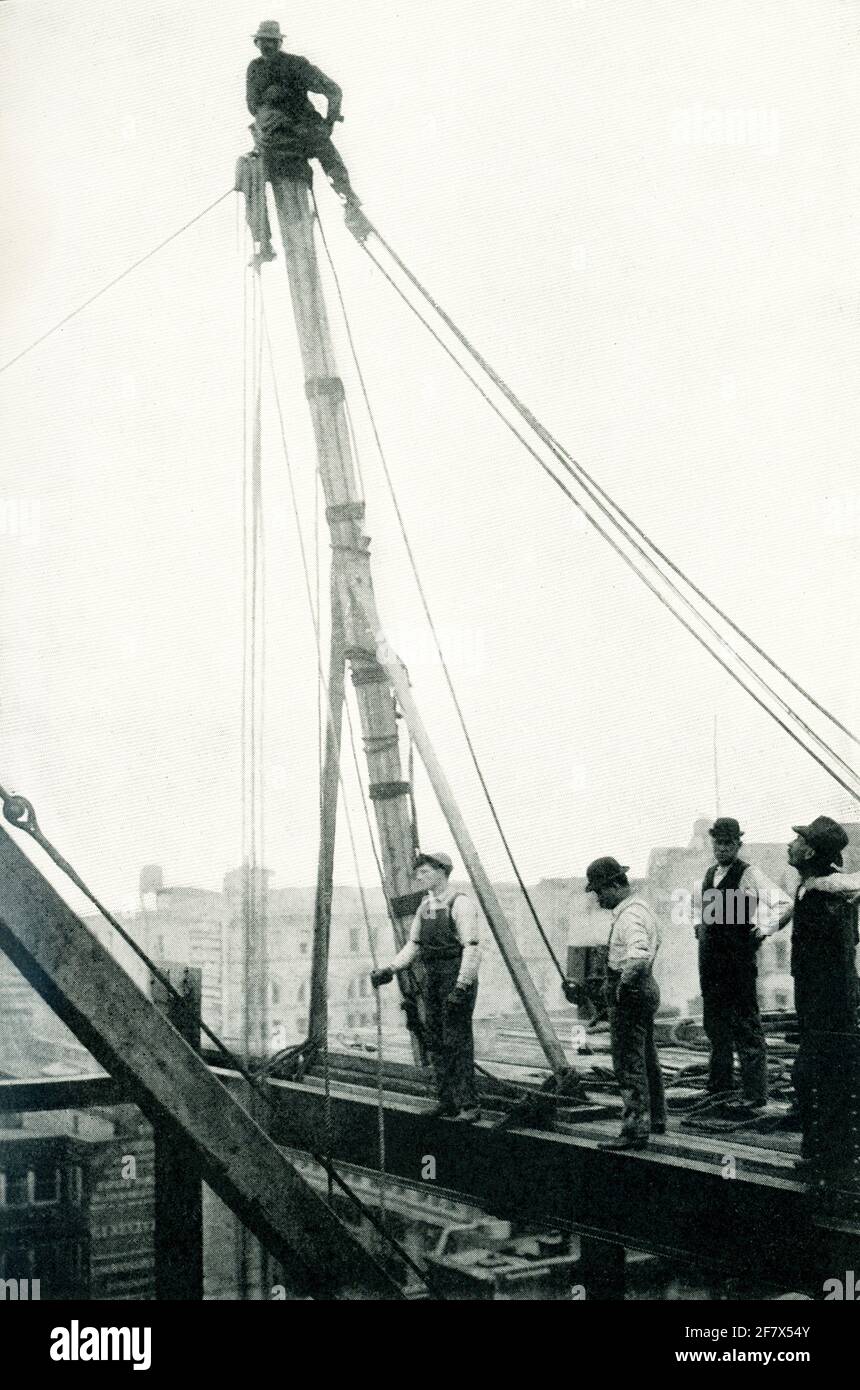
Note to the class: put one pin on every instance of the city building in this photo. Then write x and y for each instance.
(76, 1203)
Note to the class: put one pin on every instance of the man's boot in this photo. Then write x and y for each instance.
(442, 1110)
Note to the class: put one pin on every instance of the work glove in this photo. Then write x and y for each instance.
(383, 976)
(571, 991)
(458, 996)
(631, 986)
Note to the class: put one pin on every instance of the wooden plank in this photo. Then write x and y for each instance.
(127, 1035)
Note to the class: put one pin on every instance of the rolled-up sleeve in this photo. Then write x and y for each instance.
(847, 884)
(465, 916)
(406, 955)
(771, 901)
(638, 939)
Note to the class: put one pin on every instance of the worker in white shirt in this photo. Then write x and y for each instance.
(444, 937)
(633, 998)
(737, 907)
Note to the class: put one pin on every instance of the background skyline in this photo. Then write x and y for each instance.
(682, 313)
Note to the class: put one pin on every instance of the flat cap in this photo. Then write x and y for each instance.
(438, 858)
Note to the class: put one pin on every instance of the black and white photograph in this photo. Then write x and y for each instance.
(430, 694)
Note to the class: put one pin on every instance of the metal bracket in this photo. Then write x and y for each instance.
(345, 511)
(370, 674)
(387, 791)
(332, 386)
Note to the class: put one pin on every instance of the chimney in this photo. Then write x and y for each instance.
(151, 879)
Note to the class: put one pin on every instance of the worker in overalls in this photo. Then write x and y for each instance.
(736, 907)
(823, 963)
(289, 129)
(444, 936)
(632, 997)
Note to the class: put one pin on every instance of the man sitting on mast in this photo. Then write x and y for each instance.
(289, 129)
(444, 936)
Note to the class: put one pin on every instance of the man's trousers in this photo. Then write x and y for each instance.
(634, 1054)
(449, 1035)
(732, 1020)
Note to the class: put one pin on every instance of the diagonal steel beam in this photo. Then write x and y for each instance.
(80, 980)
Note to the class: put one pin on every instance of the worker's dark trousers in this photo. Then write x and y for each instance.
(826, 1075)
(452, 1048)
(321, 148)
(287, 142)
(634, 1055)
(731, 1015)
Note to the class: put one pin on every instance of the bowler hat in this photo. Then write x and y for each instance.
(439, 860)
(825, 836)
(602, 872)
(725, 828)
(269, 29)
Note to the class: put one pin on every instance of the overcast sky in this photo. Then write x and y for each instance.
(673, 289)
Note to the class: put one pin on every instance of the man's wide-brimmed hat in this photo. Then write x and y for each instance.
(826, 837)
(269, 29)
(602, 872)
(725, 828)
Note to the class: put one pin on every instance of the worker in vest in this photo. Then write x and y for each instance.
(444, 937)
(736, 908)
(289, 128)
(632, 997)
(823, 963)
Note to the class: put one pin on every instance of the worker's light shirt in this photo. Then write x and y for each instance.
(767, 900)
(464, 915)
(840, 882)
(634, 934)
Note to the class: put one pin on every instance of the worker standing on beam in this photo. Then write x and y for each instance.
(632, 997)
(823, 963)
(735, 908)
(444, 936)
(289, 129)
